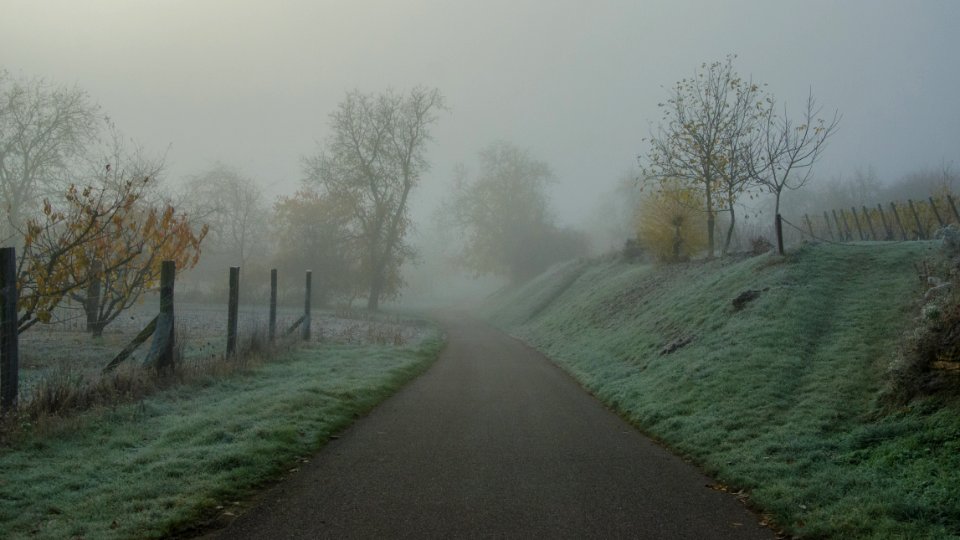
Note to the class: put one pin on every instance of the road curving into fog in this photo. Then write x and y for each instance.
(494, 441)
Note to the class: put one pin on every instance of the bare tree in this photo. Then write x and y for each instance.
(740, 148)
(233, 207)
(42, 128)
(371, 164)
(788, 150)
(703, 135)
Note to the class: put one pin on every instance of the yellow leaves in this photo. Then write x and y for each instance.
(99, 231)
(671, 222)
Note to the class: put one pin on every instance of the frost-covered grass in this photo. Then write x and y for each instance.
(782, 399)
(187, 454)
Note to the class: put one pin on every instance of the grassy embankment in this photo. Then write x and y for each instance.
(782, 399)
(187, 454)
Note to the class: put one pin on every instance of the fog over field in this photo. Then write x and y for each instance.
(576, 84)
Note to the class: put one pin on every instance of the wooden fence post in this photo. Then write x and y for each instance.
(896, 215)
(826, 219)
(887, 229)
(273, 305)
(936, 213)
(9, 344)
(916, 218)
(232, 304)
(305, 328)
(161, 349)
(92, 302)
(840, 231)
(866, 216)
(857, 221)
(809, 226)
(846, 226)
(954, 208)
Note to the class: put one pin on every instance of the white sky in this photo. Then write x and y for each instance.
(251, 82)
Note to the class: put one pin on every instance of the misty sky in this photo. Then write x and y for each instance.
(251, 83)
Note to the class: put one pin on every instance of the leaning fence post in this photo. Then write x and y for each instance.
(896, 215)
(916, 217)
(866, 216)
(826, 220)
(809, 226)
(936, 213)
(857, 221)
(273, 305)
(840, 231)
(953, 207)
(887, 229)
(846, 226)
(305, 328)
(232, 304)
(9, 344)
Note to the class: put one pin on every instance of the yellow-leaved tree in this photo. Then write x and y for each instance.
(103, 240)
(671, 222)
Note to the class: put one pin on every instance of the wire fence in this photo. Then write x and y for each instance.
(200, 334)
(898, 222)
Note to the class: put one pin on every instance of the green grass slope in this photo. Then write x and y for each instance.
(779, 399)
(186, 455)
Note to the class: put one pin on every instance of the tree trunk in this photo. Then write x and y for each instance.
(778, 225)
(733, 223)
(710, 220)
(91, 304)
(376, 289)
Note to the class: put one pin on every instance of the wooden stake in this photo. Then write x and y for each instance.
(9, 340)
(233, 304)
(840, 231)
(916, 218)
(866, 217)
(936, 213)
(954, 208)
(273, 305)
(305, 329)
(826, 219)
(896, 215)
(857, 221)
(887, 230)
(160, 355)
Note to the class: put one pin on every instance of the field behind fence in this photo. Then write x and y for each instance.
(196, 334)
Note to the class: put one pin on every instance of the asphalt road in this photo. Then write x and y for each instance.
(494, 441)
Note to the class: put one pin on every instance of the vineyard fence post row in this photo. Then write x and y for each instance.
(836, 227)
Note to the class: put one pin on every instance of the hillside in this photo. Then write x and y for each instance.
(781, 399)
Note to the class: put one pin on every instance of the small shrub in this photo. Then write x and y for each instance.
(671, 223)
(930, 352)
(633, 250)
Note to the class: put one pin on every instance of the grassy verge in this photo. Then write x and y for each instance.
(152, 468)
(782, 399)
